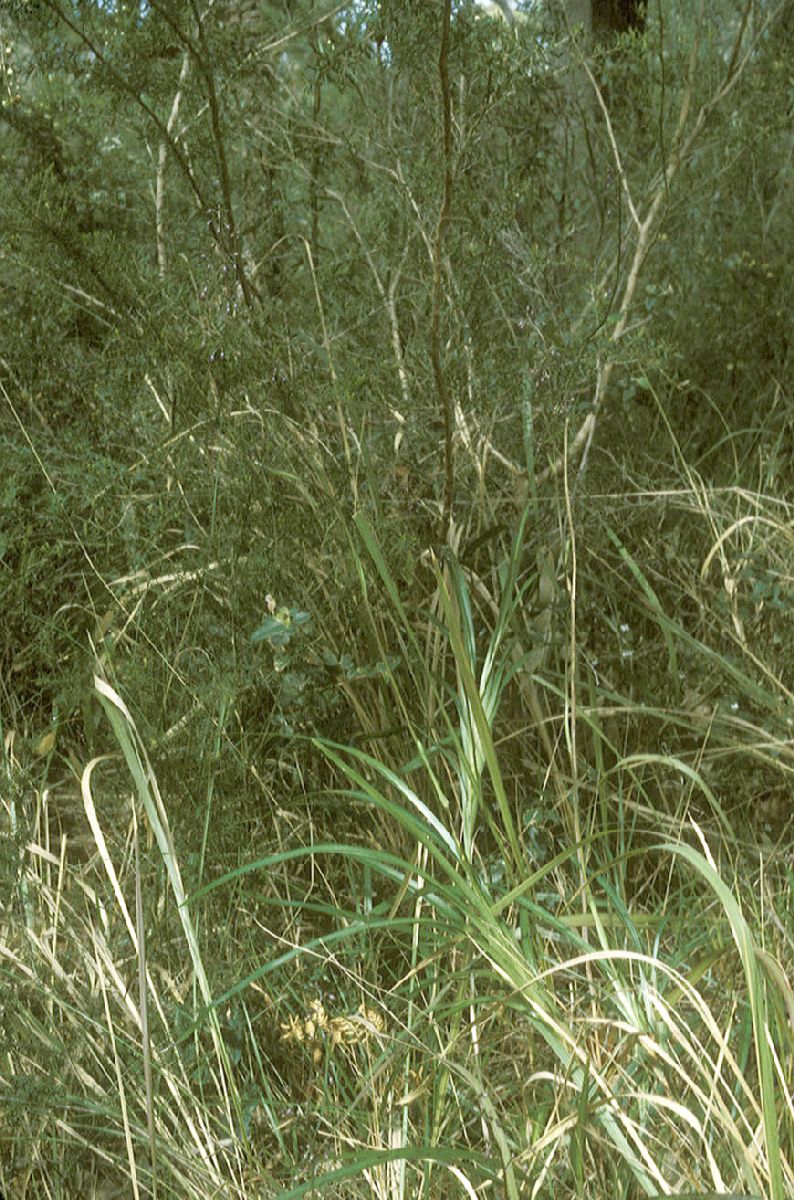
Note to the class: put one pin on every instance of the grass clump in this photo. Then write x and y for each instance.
(450, 996)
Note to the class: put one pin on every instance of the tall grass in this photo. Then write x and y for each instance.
(450, 1000)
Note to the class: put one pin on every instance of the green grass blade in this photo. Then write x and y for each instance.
(748, 954)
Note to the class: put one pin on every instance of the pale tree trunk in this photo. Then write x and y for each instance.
(606, 18)
(580, 14)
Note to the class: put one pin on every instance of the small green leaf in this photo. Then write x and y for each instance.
(272, 630)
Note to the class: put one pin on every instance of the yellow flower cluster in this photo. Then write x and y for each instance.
(318, 1028)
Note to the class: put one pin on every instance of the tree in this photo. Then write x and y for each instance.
(610, 17)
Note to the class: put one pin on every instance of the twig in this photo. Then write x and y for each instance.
(162, 159)
(248, 289)
(387, 295)
(613, 143)
(438, 246)
(680, 150)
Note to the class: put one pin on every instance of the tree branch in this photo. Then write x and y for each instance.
(438, 246)
(646, 227)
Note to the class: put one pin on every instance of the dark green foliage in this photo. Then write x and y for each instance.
(158, 380)
(184, 393)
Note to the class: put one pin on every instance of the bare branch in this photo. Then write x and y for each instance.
(613, 143)
(646, 226)
(438, 248)
(387, 295)
(162, 159)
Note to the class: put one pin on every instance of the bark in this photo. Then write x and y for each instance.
(607, 18)
(612, 17)
(579, 14)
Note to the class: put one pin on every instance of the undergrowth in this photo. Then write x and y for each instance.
(528, 929)
(395, 568)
